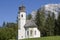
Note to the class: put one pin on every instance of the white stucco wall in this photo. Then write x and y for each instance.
(37, 32)
(33, 34)
(21, 34)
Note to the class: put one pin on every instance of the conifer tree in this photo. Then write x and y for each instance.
(58, 24)
(40, 17)
(3, 24)
(49, 25)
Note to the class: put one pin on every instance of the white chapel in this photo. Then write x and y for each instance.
(26, 28)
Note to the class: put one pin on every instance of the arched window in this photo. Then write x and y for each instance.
(22, 15)
(35, 32)
(27, 32)
(31, 32)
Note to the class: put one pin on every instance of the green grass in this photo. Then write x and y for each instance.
(45, 38)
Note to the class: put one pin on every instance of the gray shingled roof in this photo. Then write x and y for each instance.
(30, 23)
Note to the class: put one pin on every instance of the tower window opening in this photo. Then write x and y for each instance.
(21, 15)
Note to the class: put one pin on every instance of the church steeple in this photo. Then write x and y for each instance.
(21, 22)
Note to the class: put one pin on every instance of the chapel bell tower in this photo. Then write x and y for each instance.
(22, 16)
(21, 22)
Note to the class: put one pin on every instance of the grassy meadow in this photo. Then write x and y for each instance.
(45, 38)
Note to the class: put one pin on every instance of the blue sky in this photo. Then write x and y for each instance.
(9, 8)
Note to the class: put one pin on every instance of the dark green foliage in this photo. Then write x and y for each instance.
(38, 18)
(57, 25)
(40, 21)
(9, 32)
(50, 25)
(56, 28)
(46, 25)
(3, 24)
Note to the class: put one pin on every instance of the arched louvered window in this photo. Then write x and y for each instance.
(22, 15)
